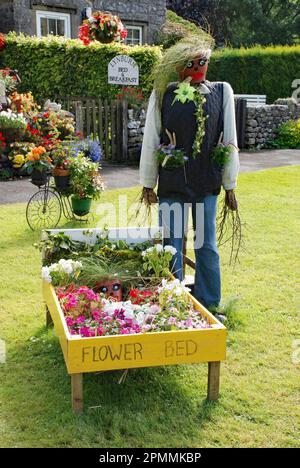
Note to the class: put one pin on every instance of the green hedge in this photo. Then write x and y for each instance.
(258, 70)
(55, 66)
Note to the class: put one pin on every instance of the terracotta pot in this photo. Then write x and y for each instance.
(57, 171)
(62, 179)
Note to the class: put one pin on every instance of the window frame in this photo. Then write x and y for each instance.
(56, 15)
(136, 27)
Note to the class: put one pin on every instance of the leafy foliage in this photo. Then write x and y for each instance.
(245, 23)
(56, 66)
(288, 136)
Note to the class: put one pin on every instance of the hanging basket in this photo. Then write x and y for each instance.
(39, 178)
(62, 179)
(81, 206)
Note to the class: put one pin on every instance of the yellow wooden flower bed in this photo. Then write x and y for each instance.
(83, 355)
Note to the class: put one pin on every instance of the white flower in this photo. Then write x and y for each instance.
(140, 318)
(171, 249)
(179, 291)
(129, 314)
(159, 248)
(46, 274)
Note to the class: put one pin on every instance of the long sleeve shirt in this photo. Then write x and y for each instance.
(152, 134)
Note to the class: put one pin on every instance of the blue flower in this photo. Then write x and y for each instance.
(90, 148)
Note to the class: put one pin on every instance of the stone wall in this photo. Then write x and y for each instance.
(6, 16)
(136, 127)
(262, 121)
(150, 13)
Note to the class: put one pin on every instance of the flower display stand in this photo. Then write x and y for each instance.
(106, 353)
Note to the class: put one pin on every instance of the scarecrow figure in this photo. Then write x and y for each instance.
(190, 149)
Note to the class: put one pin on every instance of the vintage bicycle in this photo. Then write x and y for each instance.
(45, 208)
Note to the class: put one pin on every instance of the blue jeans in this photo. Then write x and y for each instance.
(175, 222)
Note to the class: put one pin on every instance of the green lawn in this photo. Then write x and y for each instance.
(164, 407)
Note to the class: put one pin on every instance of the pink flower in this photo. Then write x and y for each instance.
(80, 319)
(70, 321)
(172, 321)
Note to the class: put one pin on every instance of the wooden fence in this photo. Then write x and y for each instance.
(103, 120)
(108, 121)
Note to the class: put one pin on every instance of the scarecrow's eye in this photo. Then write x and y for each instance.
(116, 287)
(189, 65)
(202, 62)
(104, 289)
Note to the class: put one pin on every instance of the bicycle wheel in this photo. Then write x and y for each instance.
(43, 210)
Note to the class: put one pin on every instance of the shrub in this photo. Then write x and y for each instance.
(257, 70)
(288, 136)
(55, 66)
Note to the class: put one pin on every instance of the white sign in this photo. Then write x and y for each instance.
(123, 70)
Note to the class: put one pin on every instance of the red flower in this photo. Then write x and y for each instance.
(124, 34)
(46, 115)
(2, 42)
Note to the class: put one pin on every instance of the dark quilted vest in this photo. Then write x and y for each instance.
(200, 176)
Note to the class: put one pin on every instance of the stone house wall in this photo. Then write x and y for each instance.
(20, 15)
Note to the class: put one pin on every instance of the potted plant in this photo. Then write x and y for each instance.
(38, 164)
(102, 27)
(85, 184)
(12, 126)
(61, 172)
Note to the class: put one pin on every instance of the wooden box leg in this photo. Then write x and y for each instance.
(213, 385)
(49, 321)
(77, 393)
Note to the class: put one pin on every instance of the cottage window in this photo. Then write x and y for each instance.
(50, 22)
(135, 35)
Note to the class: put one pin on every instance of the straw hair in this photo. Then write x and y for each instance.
(176, 58)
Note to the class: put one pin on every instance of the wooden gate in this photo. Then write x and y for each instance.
(103, 120)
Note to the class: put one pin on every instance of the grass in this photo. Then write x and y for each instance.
(165, 407)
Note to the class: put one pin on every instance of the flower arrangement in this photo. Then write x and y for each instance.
(37, 159)
(12, 125)
(89, 314)
(102, 27)
(85, 181)
(9, 118)
(61, 156)
(157, 259)
(62, 273)
(169, 156)
(90, 148)
(24, 103)
(10, 81)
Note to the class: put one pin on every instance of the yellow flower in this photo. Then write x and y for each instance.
(18, 161)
